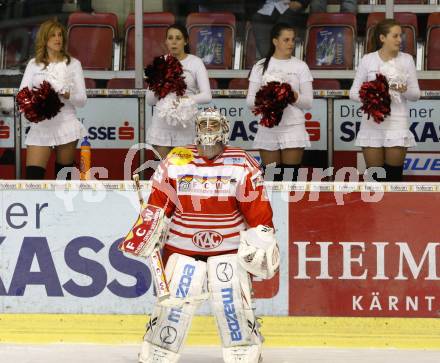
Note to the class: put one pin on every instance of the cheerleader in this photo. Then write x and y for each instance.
(161, 135)
(283, 144)
(384, 144)
(62, 131)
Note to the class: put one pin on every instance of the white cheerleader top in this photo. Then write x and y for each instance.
(294, 72)
(35, 74)
(196, 79)
(369, 66)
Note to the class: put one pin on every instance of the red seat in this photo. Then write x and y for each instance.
(91, 38)
(212, 38)
(124, 83)
(429, 84)
(90, 83)
(326, 84)
(17, 45)
(213, 83)
(155, 29)
(408, 21)
(250, 47)
(432, 44)
(239, 83)
(330, 41)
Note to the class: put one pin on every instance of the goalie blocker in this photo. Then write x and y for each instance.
(145, 240)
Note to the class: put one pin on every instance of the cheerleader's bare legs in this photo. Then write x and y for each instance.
(288, 160)
(390, 158)
(65, 157)
(38, 156)
(162, 150)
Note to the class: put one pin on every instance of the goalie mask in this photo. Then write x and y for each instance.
(211, 128)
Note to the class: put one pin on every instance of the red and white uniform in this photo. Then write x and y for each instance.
(210, 201)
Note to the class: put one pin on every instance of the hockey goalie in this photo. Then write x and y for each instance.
(220, 232)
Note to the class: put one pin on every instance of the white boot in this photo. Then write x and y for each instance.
(151, 353)
(243, 354)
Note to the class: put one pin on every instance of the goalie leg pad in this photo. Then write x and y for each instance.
(169, 326)
(231, 302)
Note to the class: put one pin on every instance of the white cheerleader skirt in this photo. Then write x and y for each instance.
(281, 137)
(162, 134)
(372, 134)
(56, 131)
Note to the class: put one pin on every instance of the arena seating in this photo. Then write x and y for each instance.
(91, 38)
(326, 84)
(330, 41)
(432, 44)
(90, 83)
(250, 47)
(212, 37)
(155, 26)
(429, 84)
(239, 83)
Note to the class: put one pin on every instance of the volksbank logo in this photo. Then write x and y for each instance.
(230, 314)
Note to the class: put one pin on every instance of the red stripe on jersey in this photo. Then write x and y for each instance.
(172, 249)
(213, 226)
(212, 220)
(235, 213)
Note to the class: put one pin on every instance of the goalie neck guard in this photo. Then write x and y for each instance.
(211, 128)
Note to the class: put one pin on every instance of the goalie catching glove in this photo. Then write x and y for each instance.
(148, 231)
(258, 252)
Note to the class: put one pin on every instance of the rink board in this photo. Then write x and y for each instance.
(359, 266)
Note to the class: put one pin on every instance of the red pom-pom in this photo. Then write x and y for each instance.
(40, 103)
(270, 102)
(375, 97)
(164, 76)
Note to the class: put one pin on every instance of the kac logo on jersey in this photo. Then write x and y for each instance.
(207, 239)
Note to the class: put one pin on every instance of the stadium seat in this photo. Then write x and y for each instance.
(432, 44)
(124, 83)
(330, 41)
(239, 83)
(213, 83)
(16, 43)
(90, 83)
(250, 47)
(409, 31)
(155, 28)
(429, 84)
(326, 84)
(91, 38)
(212, 38)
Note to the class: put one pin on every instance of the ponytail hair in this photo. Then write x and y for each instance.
(274, 34)
(382, 28)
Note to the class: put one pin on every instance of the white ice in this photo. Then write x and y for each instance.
(90, 353)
